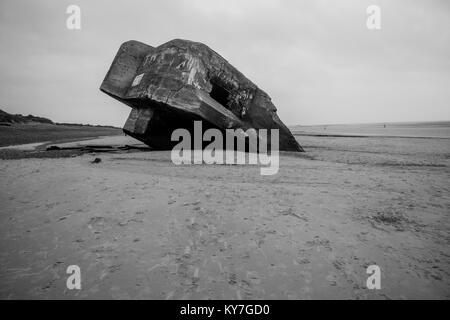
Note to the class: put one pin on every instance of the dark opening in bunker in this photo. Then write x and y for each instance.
(219, 94)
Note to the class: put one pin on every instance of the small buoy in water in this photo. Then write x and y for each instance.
(96, 160)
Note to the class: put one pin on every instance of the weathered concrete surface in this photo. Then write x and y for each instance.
(172, 85)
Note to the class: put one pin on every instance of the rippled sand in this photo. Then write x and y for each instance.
(140, 227)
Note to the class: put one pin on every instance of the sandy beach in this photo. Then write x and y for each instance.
(141, 227)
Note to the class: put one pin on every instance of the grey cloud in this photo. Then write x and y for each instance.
(315, 58)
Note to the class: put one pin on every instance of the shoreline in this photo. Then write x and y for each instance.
(299, 133)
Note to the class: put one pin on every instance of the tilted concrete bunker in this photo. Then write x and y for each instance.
(171, 86)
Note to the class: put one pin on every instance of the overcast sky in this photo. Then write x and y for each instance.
(316, 59)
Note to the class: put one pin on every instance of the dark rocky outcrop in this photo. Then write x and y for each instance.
(171, 86)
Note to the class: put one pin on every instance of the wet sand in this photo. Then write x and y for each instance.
(33, 132)
(140, 227)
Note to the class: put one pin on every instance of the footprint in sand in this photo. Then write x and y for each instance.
(253, 277)
(332, 279)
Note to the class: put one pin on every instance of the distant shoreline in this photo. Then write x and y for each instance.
(296, 133)
(19, 134)
(401, 123)
(423, 130)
